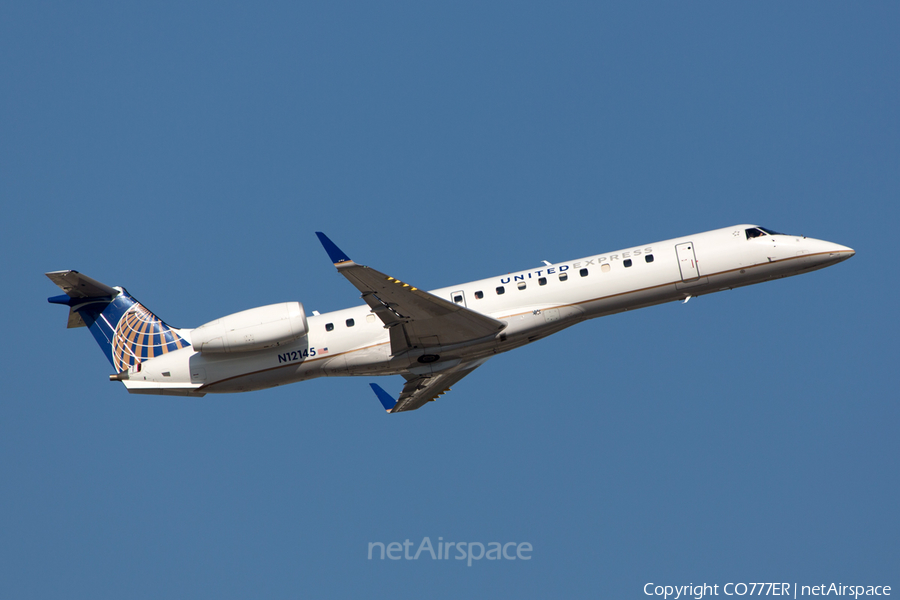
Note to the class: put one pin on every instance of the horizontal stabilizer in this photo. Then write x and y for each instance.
(77, 285)
(78, 288)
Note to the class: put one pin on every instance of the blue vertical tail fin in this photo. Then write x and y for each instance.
(126, 331)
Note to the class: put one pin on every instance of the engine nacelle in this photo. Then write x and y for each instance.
(254, 329)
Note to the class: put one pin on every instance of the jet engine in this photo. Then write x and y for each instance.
(254, 329)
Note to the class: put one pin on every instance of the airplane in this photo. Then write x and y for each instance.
(433, 339)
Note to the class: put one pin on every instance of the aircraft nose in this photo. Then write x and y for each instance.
(821, 254)
(841, 252)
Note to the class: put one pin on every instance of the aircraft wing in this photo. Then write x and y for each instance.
(415, 318)
(421, 389)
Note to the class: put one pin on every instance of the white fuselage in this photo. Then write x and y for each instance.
(533, 303)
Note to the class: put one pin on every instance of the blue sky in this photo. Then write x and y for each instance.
(188, 151)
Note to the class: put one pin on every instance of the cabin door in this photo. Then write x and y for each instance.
(687, 261)
(458, 297)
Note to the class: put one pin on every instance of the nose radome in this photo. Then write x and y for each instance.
(824, 253)
(837, 252)
(838, 249)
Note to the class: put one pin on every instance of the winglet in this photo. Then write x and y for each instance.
(386, 399)
(334, 253)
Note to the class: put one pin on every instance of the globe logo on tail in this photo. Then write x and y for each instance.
(140, 335)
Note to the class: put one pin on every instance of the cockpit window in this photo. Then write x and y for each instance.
(759, 232)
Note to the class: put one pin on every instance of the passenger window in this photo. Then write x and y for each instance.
(500, 291)
(479, 295)
(605, 267)
(648, 257)
(457, 299)
(563, 276)
(370, 318)
(350, 322)
(329, 326)
(542, 281)
(583, 272)
(627, 262)
(521, 285)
